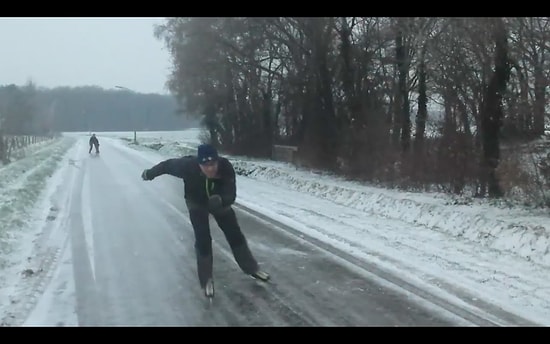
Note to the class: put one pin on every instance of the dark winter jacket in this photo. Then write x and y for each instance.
(197, 187)
(94, 141)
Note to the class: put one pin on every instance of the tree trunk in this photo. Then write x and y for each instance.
(492, 111)
(404, 111)
(540, 102)
(422, 114)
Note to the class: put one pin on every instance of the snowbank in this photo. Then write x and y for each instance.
(21, 184)
(516, 231)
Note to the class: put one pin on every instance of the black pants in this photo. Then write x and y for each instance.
(227, 221)
(96, 148)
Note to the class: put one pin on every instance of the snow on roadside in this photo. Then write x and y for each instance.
(22, 189)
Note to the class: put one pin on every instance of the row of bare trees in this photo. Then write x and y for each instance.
(17, 114)
(18, 109)
(412, 101)
(11, 145)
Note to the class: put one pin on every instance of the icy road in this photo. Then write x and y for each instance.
(120, 252)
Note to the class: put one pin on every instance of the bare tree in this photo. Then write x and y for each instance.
(492, 114)
(529, 38)
(343, 89)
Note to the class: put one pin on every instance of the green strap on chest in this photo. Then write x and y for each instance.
(209, 187)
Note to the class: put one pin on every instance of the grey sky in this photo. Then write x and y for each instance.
(103, 52)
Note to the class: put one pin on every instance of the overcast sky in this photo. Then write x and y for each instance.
(103, 52)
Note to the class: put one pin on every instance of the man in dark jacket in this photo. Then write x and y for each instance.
(210, 188)
(94, 142)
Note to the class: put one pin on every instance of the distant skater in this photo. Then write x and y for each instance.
(94, 142)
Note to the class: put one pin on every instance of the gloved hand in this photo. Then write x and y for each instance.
(215, 203)
(144, 175)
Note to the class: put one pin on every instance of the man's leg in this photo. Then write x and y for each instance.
(90, 149)
(227, 220)
(203, 244)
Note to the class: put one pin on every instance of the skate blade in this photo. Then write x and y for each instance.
(264, 278)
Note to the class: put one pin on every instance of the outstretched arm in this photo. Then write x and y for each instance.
(174, 167)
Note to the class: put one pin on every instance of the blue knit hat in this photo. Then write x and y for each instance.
(206, 153)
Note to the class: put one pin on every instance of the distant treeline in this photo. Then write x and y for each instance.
(29, 110)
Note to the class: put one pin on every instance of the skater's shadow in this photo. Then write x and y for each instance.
(73, 162)
(258, 289)
(237, 305)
